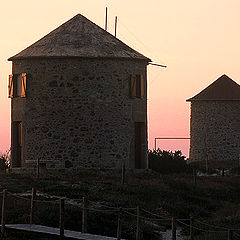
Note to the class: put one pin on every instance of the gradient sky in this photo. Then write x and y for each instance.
(198, 41)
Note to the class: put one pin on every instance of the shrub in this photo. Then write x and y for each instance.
(5, 160)
(167, 161)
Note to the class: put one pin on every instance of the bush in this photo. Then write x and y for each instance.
(5, 160)
(168, 162)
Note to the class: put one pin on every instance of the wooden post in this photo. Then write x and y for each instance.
(238, 164)
(84, 215)
(119, 227)
(230, 234)
(106, 20)
(207, 164)
(191, 228)
(174, 232)
(61, 219)
(38, 166)
(138, 224)
(194, 176)
(115, 26)
(123, 173)
(3, 220)
(32, 203)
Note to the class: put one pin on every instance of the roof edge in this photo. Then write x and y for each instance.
(222, 89)
(195, 100)
(143, 57)
(64, 57)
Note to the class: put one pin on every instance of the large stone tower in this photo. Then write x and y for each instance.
(215, 124)
(78, 100)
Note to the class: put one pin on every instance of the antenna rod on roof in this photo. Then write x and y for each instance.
(159, 65)
(115, 26)
(106, 20)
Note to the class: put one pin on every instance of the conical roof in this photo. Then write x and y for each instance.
(79, 37)
(224, 88)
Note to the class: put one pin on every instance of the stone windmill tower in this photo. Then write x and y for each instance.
(215, 124)
(78, 100)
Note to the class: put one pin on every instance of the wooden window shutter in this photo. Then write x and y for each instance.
(10, 86)
(23, 85)
(133, 86)
(142, 86)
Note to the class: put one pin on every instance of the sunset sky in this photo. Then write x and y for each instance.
(198, 41)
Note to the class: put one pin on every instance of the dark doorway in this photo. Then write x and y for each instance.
(16, 144)
(139, 142)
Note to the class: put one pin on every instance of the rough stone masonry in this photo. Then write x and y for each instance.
(215, 125)
(77, 112)
(72, 106)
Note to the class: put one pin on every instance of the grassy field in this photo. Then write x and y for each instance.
(215, 200)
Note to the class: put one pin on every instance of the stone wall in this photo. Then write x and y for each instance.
(214, 130)
(78, 114)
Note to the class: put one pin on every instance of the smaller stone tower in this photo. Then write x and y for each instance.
(215, 124)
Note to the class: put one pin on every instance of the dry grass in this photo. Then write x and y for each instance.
(215, 199)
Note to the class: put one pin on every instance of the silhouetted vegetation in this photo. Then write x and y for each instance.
(166, 162)
(5, 160)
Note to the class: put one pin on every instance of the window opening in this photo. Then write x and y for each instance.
(137, 86)
(17, 85)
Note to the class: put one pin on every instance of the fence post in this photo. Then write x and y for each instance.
(174, 232)
(38, 166)
(32, 202)
(61, 219)
(84, 215)
(191, 228)
(230, 234)
(123, 173)
(138, 224)
(3, 220)
(119, 227)
(194, 176)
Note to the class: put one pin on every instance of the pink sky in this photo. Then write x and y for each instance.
(197, 40)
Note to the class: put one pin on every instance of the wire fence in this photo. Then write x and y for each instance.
(81, 215)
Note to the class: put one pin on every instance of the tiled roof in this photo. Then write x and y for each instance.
(79, 37)
(224, 88)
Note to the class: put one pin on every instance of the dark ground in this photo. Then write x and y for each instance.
(215, 200)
